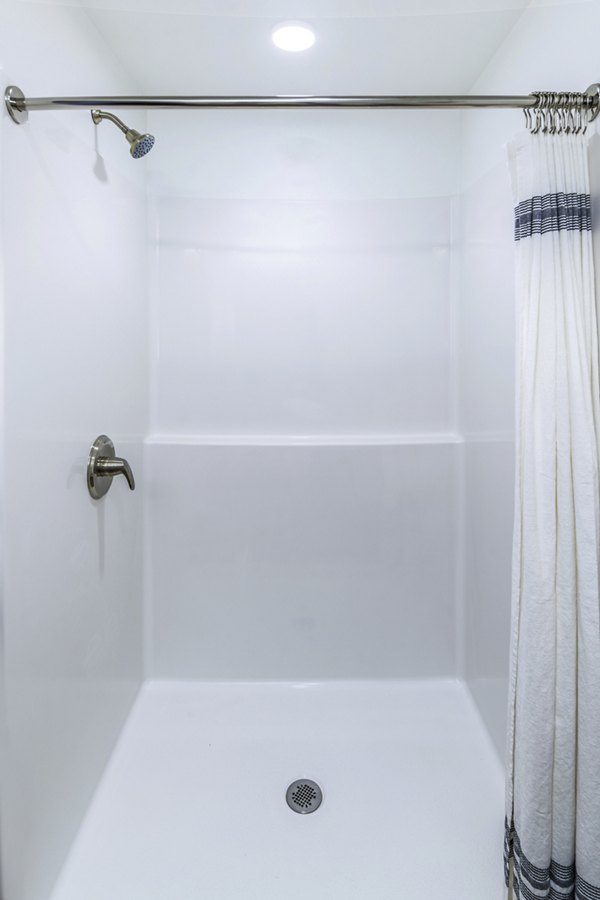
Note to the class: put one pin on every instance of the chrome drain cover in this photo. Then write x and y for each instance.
(304, 796)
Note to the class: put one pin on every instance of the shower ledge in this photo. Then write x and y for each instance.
(308, 440)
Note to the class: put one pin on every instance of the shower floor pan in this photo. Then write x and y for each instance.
(192, 805)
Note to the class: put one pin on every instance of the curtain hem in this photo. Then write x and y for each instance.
(525, 881)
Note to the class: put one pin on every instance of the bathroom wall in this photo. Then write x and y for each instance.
(74, 365)
(550, 47)
(301, 470)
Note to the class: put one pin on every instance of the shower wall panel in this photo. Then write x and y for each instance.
(487, 414)
(303, 562)
(74, 365)
(302, 474)
(303, 317)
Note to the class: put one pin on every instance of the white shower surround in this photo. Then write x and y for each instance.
(73, 320)
(303, 464)
(254, 179)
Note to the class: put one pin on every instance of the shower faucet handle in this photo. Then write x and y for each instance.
(103, 465)
(108, 466)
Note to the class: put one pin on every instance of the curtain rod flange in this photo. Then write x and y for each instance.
(594, 92)
(14, 99)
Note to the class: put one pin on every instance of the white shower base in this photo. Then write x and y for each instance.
(192, 805)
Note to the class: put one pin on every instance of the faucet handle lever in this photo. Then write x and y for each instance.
(103, 465)
(111, 466)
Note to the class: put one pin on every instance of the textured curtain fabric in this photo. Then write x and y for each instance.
(552, 847)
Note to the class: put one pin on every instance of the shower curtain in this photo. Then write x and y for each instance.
(552, 843)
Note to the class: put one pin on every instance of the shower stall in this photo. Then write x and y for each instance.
(279, 666)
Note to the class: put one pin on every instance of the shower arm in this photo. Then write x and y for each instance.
(18, 105)
(98, 115)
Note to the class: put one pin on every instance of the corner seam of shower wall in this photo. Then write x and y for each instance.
(455, 276)
(152, 358)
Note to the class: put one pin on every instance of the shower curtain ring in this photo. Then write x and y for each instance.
(571, 123)
(560, 114)
(532, 113)
(535, 114)
(580, 117)
(566, 122)
(556, 113)
(551, 129)
(547, 113)
(540, 112)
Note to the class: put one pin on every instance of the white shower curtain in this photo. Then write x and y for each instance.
(552, 847)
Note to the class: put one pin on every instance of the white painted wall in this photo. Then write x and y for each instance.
(550, 47)
(74, 365)
(302, 471)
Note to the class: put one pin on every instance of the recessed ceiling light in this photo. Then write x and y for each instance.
(293, 36)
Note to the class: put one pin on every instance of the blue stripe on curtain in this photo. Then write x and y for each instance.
(553, 212)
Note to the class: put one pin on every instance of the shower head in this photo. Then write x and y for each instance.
(140, 144)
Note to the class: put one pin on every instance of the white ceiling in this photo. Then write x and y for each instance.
(363, 46)
(320, 8)
(197, 54)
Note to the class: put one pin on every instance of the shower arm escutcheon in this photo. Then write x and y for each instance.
(103, 465)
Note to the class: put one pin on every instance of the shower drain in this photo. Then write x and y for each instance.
(304, 796)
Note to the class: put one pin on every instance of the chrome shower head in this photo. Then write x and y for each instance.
(139, 144)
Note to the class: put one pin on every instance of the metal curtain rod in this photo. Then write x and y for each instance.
(19, 105)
